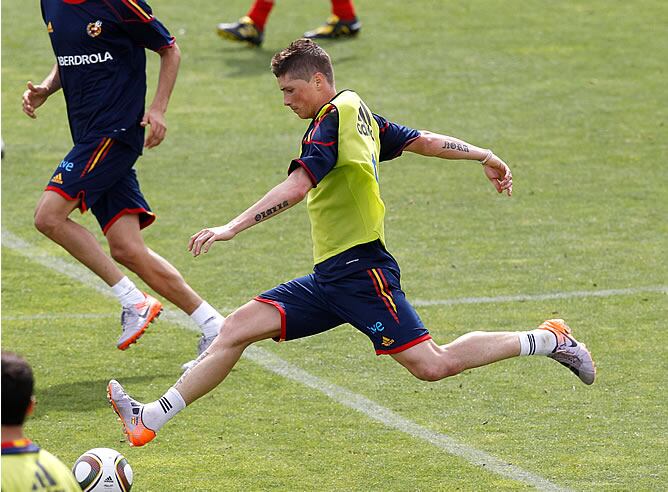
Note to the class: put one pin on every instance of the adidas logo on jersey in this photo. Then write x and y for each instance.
(58, 178)
(364, 121)
(49, 28)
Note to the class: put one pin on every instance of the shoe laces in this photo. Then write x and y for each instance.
(131, 314)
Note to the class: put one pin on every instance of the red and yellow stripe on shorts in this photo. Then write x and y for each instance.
(383, 290)
(98, 155)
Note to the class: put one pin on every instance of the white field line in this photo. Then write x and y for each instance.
(542, 297)
(275, 364)
(34, 317)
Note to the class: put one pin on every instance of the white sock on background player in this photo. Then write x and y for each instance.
(208, 319)
(127, 292)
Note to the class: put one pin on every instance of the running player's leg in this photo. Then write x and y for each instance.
(553, 338)
(342, 23)
(374, 303)
(82, 180)
(252, 322)
(250, 28)
(431, 362)
(292, 310)
(122, 212)
(52, 220)
(128, 248)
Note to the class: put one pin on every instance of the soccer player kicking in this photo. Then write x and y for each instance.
(355, 278)
(101, 67)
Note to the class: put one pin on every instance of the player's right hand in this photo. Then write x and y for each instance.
(204, 239)
(33, 98)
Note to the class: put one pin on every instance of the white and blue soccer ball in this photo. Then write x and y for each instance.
(103, 470)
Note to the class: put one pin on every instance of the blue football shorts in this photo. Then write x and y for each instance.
(100, 173)
(370, 300)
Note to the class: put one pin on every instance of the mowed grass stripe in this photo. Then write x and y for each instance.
(275, 364)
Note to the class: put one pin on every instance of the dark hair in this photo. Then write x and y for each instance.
(17, 386)
(302, 59)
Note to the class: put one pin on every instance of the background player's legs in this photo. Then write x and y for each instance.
(52, 220)
(250, 28)
(128, 248)
(344, 10)
(431, 362)
(259, 12)
(342, 23)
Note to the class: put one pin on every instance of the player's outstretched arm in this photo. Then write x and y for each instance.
(446, 147)
(154, 118)
(280, 198)
(35, 95)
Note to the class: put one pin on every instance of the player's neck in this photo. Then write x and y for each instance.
(325, 97)
(330, 94)
(12, 433)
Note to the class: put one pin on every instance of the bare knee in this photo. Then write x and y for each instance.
(435, 370)
(232, 333)
(127, 254)
(47, 222)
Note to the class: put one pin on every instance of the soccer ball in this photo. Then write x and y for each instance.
(103, 470)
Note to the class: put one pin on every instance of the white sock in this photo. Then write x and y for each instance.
(208, 319)
(537, 342)
(127, 292)
(159, 412)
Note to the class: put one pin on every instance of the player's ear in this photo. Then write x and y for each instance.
(318, 79)
(31, 405)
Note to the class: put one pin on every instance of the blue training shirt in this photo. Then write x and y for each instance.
(100, 51)
(318, 156)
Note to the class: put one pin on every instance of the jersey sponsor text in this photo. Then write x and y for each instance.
(74, 60)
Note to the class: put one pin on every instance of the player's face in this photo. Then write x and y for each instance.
(301, 96)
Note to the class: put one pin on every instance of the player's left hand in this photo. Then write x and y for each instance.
(155, 120)
(204, 239)
(499, 174)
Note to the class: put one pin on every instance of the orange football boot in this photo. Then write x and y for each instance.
(135, 320)
(129, 413)
(569, 352)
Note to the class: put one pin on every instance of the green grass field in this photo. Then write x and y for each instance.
(570, 94)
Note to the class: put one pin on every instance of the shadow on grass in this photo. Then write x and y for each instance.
(243, 61)
(83, 396)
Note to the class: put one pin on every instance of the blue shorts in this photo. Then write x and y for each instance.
(370, 300)
(100, 173)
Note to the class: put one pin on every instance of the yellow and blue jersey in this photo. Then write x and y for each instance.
(100, 52)
(355, 279)
(27, 468)
(340, 152)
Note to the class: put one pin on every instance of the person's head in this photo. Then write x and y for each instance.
(305, 76)
(17, 387)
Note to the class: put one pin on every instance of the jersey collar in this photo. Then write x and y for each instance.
(19, 446)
